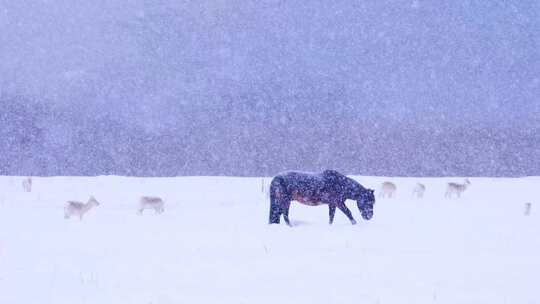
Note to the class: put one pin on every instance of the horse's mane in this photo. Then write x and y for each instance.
(353, 187)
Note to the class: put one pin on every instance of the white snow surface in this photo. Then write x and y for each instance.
(213, 244)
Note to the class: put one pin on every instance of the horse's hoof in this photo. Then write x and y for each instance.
(353, 222)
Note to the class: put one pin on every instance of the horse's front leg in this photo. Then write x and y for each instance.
(347, 212)
(331, 213)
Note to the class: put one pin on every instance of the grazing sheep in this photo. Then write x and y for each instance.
(455, 188)
(419, 190)
(388, 189)
(79, 208)
(151, 202)
(27, 184)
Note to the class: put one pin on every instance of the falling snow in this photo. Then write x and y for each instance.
(163, 88)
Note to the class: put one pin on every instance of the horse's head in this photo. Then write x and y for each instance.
(365, 203)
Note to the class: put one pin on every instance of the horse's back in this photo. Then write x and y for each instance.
(299, 177)
(301, 183)
(328, 183)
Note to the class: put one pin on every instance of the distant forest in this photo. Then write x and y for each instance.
(38, 139)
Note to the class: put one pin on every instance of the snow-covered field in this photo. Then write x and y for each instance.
(213, 244)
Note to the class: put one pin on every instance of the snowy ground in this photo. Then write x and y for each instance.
(213, 245)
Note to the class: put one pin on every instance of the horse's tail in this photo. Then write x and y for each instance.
(277, 189)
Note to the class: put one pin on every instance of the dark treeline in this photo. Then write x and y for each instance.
(41, 140)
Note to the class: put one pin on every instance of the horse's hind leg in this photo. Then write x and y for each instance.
(276, 196)
(275, 214)
(347, 212)
(285, 205)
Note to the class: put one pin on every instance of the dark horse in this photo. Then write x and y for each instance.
(329, 187)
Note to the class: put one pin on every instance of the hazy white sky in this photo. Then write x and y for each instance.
(396, 57)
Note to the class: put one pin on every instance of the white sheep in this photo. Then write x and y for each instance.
(388, 189)
(455, 188)
(151, 202)
(27, 184)
(419, 190)
(79, 208)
